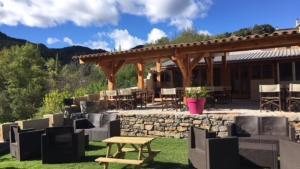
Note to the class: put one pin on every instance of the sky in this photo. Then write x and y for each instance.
(123, 24)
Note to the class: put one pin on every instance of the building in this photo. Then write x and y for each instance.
(246, 70)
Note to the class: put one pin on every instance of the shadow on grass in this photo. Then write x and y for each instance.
(95, 147)
(161, 165)
(90, 158)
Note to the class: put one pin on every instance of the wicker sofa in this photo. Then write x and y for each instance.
(259, 139)
(99, 126)
(206, 151)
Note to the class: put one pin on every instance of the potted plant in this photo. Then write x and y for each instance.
(196, 99)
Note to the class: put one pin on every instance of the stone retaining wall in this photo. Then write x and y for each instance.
(177, 125)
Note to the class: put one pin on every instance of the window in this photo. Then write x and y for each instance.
(297, 70)
(286, 71)
(256, 72)
(267, 71)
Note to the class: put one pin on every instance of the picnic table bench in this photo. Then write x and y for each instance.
(138, 144)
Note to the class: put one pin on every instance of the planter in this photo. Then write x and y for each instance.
(196, 106)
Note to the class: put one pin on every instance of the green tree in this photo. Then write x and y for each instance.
(23, 80)
(190, 36)
(127, 76)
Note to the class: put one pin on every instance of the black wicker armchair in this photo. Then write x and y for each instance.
(25, 144)
(208, 152)
(61, 145)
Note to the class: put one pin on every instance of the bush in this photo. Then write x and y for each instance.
(53, 102)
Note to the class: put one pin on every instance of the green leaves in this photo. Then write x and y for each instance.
(22, 83)
(197, 93)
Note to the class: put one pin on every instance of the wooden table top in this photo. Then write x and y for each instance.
(129, 140)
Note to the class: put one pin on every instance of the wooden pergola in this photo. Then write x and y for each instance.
(187, 55)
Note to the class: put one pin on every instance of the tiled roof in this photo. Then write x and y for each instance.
(195, 44)
(253, 55)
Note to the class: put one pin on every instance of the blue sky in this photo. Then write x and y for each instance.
(123, 24)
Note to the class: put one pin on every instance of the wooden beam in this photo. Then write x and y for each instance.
(225, 69)
(210, 71)
(110, 69)
(140, 70)
(158, 71)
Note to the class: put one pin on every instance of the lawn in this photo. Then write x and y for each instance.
(173, 155)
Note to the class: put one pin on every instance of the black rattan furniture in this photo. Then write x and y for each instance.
(61, 145)
(25, 144)
(208, 152)
(289, 155)
(259, 139)
(104, 125)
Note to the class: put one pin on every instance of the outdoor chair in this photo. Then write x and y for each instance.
(141, 98)
(99, 126)
(25, 144)
(112, 99)
(150, 95)
(62, 144)
(289, 154)
(126, 99)
(259, 139)
(294, 96)
(270, 95)
(208, 152)
(169, 98)
(222, 94)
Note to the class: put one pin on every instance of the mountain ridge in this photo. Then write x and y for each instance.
(64, 54)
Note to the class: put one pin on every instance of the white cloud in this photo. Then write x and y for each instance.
(69, 41)
(155, 34)
(124, 40)
(179, 13)
(96, 44)
(47, 13)
(204, 32)
(51, 41)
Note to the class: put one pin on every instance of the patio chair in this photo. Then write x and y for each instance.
(208, 152)
(99, 126)
(126, 99)
(289, 154)
(270, 96)
(150, 95)
(294, 96)
(62, 144)
(169, 98)
(112, 99)
(141, 98)
(25, 144)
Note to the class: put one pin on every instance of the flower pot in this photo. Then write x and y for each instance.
(196, 106)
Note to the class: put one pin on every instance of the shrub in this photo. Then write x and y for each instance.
(53, 102)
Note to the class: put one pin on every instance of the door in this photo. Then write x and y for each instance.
(240, 81)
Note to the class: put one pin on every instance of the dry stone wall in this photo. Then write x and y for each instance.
(177, 125)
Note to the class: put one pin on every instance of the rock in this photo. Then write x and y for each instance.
(222, 128)
(182, 129)
(149, 127)
(197, 122)
(185, 124)
(168, 121)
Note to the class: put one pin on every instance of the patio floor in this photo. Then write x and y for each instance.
(244, 107)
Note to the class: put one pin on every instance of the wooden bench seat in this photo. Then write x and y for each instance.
(120, 161)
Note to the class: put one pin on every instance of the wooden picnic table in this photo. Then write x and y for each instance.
(138, 144)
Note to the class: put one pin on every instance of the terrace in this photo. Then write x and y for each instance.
(152, 121)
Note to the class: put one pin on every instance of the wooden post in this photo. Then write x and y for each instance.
(110, 69)
(186, 66)
(224, 70)
(210, 71)
(158, 71)
(140, 70)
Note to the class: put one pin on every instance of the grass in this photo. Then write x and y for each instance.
(173, 155)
